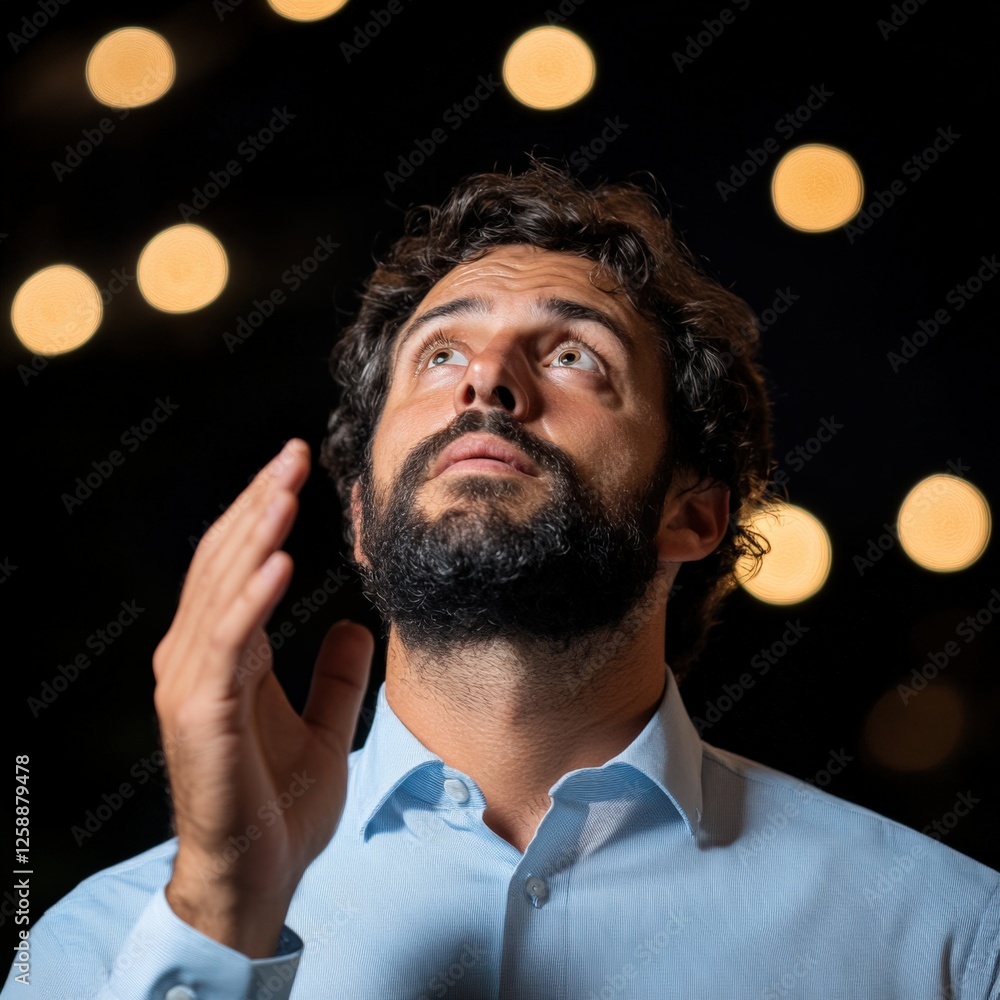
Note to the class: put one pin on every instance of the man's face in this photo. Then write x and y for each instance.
(555, 536)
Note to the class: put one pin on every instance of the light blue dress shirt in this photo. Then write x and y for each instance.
(675, 870)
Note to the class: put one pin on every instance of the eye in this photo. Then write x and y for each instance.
(446, 356)
(571, 356)
(437, 352)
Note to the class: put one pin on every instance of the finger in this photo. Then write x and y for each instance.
(241, 547)
(226, 575)
(288, 470)
(231, 633)
(339, 683)
(229, 595)
(205, 597)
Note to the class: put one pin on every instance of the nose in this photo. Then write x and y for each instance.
(493, 379)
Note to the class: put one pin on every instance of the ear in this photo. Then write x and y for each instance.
(356, 521)
(695, 519)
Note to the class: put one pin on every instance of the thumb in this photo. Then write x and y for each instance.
(339, 683)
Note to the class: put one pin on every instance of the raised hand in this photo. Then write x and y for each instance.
(257, 789)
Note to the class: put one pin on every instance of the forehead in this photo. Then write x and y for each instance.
(520, 268)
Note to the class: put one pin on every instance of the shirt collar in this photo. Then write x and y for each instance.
(668, 752)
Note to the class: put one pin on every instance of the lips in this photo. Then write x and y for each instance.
(470, 447)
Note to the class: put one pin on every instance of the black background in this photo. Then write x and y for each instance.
(323, 176)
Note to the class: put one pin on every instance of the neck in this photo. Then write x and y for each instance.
(517, 716)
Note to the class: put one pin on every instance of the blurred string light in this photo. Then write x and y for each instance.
(182, 269)
(816, 188)
(306, 10)
(130, 67)
(549, 68)
(799, 561)
(944, 523)
(917, 734)
(56, 310)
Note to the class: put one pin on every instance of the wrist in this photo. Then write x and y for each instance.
(247, 920)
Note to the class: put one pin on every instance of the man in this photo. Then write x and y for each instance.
(551, 432)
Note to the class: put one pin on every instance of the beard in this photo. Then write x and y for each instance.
(477, 573)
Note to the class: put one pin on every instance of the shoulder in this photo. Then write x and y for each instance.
(771, 814)
(115, 896)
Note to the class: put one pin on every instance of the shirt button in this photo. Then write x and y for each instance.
(179, 993)
(456, 789)
(537, 888)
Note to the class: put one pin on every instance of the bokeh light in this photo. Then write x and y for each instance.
(799, 561)
(549, 68)
(306, 10)
(816, 188)
(56, 310)
(182, 269)
(130, 67)
(917, 733)
(944, 523)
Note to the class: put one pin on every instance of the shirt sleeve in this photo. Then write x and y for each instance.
(982, 975)
(162, 958)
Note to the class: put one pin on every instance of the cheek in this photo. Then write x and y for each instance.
(624, 454)
(601, 448)
(400, 429)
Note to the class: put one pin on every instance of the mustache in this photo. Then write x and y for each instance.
(546, 455)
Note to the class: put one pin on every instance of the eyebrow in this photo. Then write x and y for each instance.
(478, 305)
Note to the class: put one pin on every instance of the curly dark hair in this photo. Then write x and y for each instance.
(718, 406)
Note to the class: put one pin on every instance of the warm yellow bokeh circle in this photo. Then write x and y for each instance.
(799, 560)
(56, 310)
(915, 728)
(306, 10)
(130, 67)
(944, 523)
(816, 188)
(182, 269)
(549, 68)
